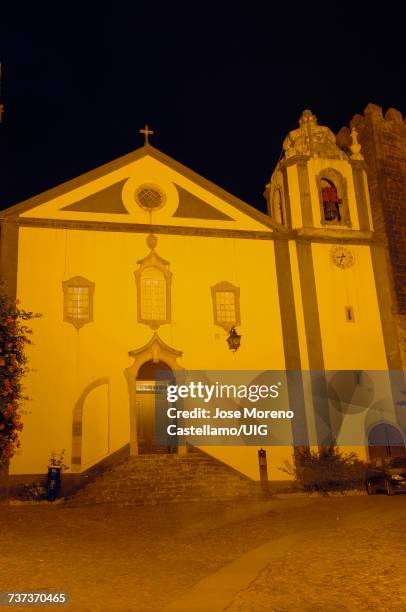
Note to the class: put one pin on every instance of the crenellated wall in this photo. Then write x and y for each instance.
(383, 140)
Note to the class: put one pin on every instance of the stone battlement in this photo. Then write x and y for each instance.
(383, 144)
(373, 112)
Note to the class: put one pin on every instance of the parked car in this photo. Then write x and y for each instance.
(387, 474)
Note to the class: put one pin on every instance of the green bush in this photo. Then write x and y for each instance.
(326, 469)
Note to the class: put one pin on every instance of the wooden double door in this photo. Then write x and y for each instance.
(151, 406)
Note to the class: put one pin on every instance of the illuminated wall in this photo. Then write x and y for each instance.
(294, 290)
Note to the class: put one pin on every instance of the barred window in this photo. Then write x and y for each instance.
(78, 301)
(153, 280)
(153, 294)
(226, 305)
(150, 197)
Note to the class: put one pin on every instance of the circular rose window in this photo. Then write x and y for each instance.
(150, 197)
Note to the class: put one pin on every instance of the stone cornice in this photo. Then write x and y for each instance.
(296, 159)
(316, 234)
(142, 228)
(312, 234)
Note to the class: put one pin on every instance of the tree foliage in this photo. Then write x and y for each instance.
(14, 336)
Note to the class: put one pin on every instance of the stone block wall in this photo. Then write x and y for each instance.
(383, 141)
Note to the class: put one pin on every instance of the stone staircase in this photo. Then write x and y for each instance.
(155, 479)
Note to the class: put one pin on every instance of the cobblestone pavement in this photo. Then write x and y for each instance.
(357, 564)
(139, 559)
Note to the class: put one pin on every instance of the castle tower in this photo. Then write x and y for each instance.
(383, 141)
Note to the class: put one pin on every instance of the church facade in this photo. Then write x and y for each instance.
(142, 263)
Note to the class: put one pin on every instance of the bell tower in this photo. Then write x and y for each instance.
(317, 185)
(334, 265)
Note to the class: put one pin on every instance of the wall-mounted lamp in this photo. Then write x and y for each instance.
(234, 340)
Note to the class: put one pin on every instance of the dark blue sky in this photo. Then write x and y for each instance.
(221, 87)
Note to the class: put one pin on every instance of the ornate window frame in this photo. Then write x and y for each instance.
(340, 182)
(77, 281)
(153, 260)
(226, 286)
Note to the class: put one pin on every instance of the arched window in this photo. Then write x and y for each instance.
(78, 301)
(226, 305)
(153, 294)
(333, 197)
(277, 207)
(331, 201)
(153, 281)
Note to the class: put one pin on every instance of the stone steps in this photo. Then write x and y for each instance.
(153, 479)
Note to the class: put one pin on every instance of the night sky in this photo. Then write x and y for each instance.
(221, 88)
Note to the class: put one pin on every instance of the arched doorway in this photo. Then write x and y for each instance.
(385, 440)
(96, 438)
(156, 353)
(151, 383)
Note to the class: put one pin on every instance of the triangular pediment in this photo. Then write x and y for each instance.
(192, 207)
(113, 194)
(105, 201)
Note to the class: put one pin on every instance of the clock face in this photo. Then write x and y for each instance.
(342, 257)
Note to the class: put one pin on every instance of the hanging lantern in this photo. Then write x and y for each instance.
(234, 340)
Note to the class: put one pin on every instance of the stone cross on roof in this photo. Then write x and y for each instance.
(146, 131)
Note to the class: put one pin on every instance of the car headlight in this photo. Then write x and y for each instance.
(396, 477)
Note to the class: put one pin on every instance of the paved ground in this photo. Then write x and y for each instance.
(347, 553)
(357, 564)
